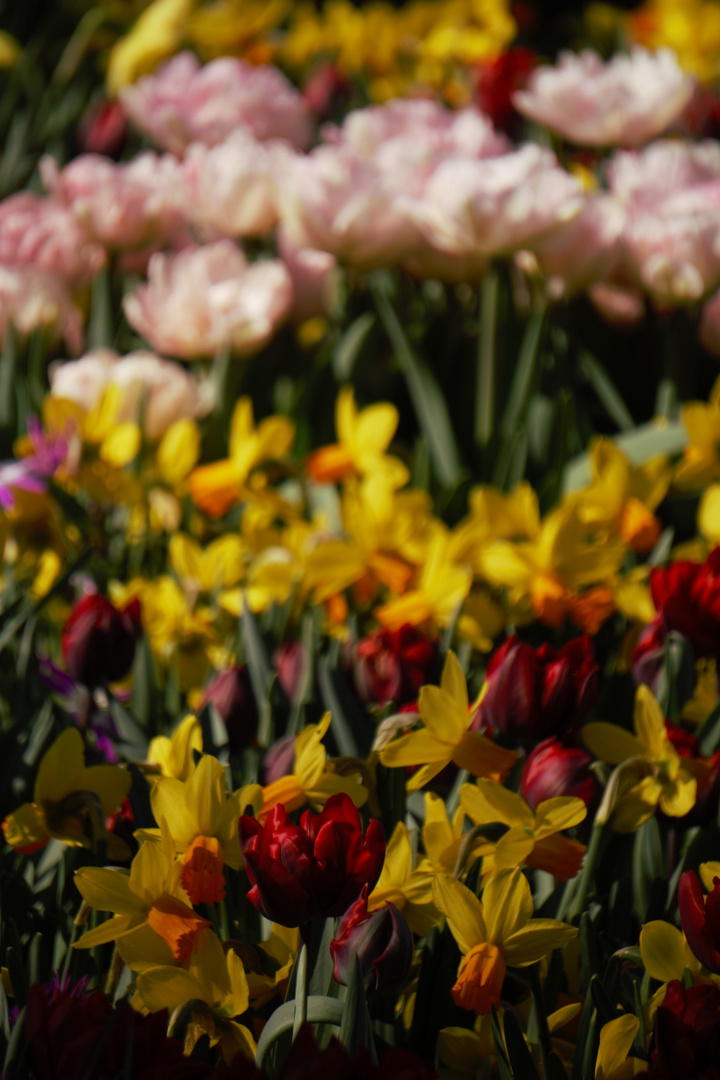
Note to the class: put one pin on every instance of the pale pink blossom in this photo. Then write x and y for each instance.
(618, 305)
(493, 206)
(31, 299)
(124, 206)
(585, 249)
(671, 241)
(314, 277)
(207, 298)
(42, 233)
(624, 102)
(155, 390)
(231, 187)
(182, 103)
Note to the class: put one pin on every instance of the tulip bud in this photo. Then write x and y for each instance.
(498, 80)
(552, 770)
(289, 663)
(393, 665)
(382, 942)
(279, 761)
(232, 695)
(103, 129)
(326, 89)
(701, 919)
(98, 640)
(534, 693)
(657, 649)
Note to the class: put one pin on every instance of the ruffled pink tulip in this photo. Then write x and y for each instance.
(30, 299)
(43, 234)
(624, 102)
(182, 103)
(585, 250)
(207, 298)
(121, 206)
(314, 279)
(231, 187)
(157, 390)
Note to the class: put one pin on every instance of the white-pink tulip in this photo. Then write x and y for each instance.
(624, 102)
(207, 298)
(231, 187)
(41, 233)
(183, 102)
(31, 299)
(313, 275)
(585, 249)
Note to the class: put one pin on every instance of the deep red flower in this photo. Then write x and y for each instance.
(314, 869)
(306, 1062)
(327, 89)
(392, 665)
(701, 919)
(536, 693)
(232, 695)
(382, 942)
(687, 1034)
(496, 82)
(98, 640)
(687, 598)
(553, 769)
(103, 129)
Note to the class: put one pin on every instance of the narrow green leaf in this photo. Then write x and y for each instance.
(524, 372)
(486, 359)
(350, 346)
(521, 1061)
(606, 391)
(356, 1029)
(101, 331)
(320, 1010)
(503, 1065)
(349, 724)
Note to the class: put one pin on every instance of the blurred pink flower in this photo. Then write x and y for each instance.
(617, 304)
(313, 275)
(231, 187)
(158, 390)
(183, 102)
(206, 298)
(43, 234)
(624, 102)
(671, 240)
(30, 299)
(483, 208)
(121, 206)
(585, 250)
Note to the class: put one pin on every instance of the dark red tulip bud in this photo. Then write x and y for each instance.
(232, 695)
(701, 919)
(687, 598)
(98, 640)
(279, 760)
(315, 869)
(289, 663)
(496, 82)
(382, 942)
(103, 129)
(536, 693)
(687, 1034)
(392, 665)
(326, 90)
(553, 769)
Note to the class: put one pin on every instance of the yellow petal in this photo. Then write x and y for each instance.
(417, 748)
(453, 682)
(678, 796)
(463, 911)
(487, 801)
(507, 905)
(562, 812)
(108, 890)
(110, 783)
(649, 722)
(616, 1040)
(114, 928)
(26, 828)
(664, 951)
(537, 939)
(178, 451)
(611, 743)
(168, 988)
(61, 769)
(441, 715)
(143, 949)
(513, 849)
(121, 445)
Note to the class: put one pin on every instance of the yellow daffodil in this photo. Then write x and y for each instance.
(653, 773)
(546, 578)
(363, 438)
(446, 737)
(311, 781)
(174, 756)
(67, 797)
(219, 486)
(237, 28)
(466, 1051)
(624, 496)
(494, 932)
(495, 516)
(218, 566)
(271, 964)
(150, 895)
(705, 695)
(701, 460)
(690, 27)
(442, 838)
(665, 952)
(441, 588)
(534, 837)
(202, 819)
(410, 890)
(157, 34)
(616, 1042)
(215, 989)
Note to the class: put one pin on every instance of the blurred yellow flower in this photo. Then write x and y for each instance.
(158, 33)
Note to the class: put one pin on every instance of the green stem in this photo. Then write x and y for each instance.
(486, 360)
(301, 991)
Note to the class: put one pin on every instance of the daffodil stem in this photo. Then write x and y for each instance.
(301, 989)
(485, 386)
(588, 872)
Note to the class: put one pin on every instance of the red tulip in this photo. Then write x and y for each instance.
(315, 869)
(687, 1034)
(98, 640)
(103, 129)
(701, 920)
(382, 942)
(306, 1062)
(553, 769)
(535, 693)
(498, 80)
(392, 665)
(232, 695)
(687, 598)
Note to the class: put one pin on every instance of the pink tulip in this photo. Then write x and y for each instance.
(585, 250)
(231, 187)
(314, 277)
(624, 102)
(31, 298)
(121, 206)
(183, 102)
(206, 298)
(40, 233)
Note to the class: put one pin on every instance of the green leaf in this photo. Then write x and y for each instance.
(349, 723)
(524, 373)
(350, 346)
(356, 1029)
(486, 359)
(521, 1062)
(101, 332)
(648, 865)
(428, 401)
(606, 391)
(503, 1065)
(320, 1010)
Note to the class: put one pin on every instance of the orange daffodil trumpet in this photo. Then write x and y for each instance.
(447, 736)
(493, 933)
(67, 797)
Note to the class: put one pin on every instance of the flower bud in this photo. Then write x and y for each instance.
(98, 640)
(553, 770)
(232, 695)
(103, 129)
(656, 649)
(392, 665)
(289, 663)
(382, 942)
(279, 761)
